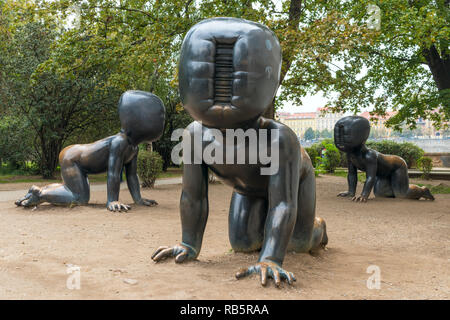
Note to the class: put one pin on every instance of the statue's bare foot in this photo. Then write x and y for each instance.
(180, 252)
(147, 202)
(117, 206)
(18, 202)
(267, 269)
(321, 226)
(427, 194)
(361, 198)
(32, 198)
(345, 194)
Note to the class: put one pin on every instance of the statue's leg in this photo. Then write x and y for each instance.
(383, 187)
(310, 231)
(402, 188)
(75, 189)
(246, 222)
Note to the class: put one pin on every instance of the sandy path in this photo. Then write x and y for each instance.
(408, 240)
(13, 191)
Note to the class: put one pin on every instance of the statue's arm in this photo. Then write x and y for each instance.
(371, 173)
(115, 164)
(133, 180)
(282, 200)
(194, 205)
(352, 178)
(133, 183)
(194, 214)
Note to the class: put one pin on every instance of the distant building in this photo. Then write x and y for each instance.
(298, 122)
(319, 121)
(377, 123)
(326, 121)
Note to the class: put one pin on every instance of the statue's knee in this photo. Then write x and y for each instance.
(245, 243)
(84, 199)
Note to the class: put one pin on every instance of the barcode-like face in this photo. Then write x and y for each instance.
(351, 132)
(339, 136)
(223, 74)
(229, 71)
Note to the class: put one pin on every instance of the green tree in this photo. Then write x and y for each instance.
(309, 134)
(176, 117)
(404, 65)
(15, 145)
(53, 105)
(326, 134)
(331, 158)
(328, 47)
(116, 46)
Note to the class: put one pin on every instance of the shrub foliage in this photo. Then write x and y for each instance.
(149, 166)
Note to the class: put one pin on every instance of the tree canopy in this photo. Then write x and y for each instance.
(63, 79)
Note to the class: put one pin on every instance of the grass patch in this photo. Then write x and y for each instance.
(341, 173)
(172, 172)
(20, 177)
(16, 179)
(441, 188)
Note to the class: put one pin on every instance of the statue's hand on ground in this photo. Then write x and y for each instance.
(147, 202)
(361, 198)
(180, 252)
(117, 206)
(267, 269)
(345, 194)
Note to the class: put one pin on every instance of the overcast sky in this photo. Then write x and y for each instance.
(310, 104)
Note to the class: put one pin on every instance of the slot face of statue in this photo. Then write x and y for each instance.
(387, 175)
(229, 74)
(142, 117)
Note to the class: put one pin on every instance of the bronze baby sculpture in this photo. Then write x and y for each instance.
(142, 119)
(228, 75)
(386, 174)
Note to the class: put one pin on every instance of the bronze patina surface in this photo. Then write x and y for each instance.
(387, 175)
(228, 76)
(142, 119)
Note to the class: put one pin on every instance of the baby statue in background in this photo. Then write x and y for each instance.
(386, 174)
(142, 119)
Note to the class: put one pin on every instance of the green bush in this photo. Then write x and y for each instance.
(425, 164)
(330, 160)
(408, 151)
(314, 151)
(313, 154)
(149, 166)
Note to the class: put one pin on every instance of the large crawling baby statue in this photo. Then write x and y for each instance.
(386, 174)
(228, 75)
(142, 119)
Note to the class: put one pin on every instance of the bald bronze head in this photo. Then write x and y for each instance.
(351, 132)
(229, 71)
(141, 116)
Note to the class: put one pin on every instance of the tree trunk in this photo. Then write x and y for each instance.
(49, 157)
(439, 67)
(270, 111)
(295, 11)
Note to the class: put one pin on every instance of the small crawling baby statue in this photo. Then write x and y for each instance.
(142, 119)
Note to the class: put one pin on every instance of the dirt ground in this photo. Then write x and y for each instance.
(408, 240)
